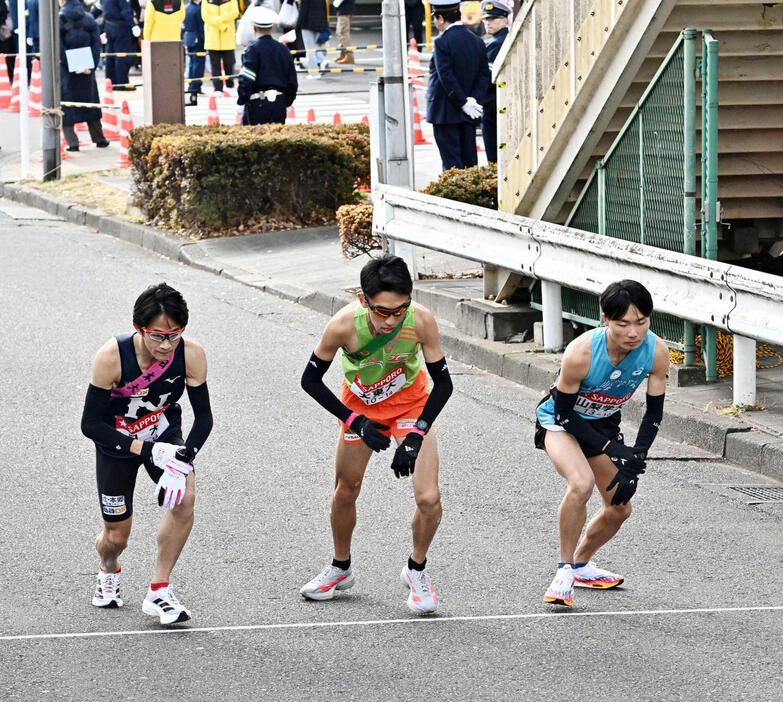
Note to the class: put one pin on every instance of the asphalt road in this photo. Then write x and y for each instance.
(699, 618)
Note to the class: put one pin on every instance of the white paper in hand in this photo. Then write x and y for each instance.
(79, 59)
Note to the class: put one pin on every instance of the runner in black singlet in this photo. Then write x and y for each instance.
(132, 414)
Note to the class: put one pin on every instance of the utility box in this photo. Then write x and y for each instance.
(163, 68)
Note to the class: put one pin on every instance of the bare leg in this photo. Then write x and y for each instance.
(350, 464)
(111, 542)
(173, 532)
(428, 512)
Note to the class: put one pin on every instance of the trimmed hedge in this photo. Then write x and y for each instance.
(476, 186)
(205, 180)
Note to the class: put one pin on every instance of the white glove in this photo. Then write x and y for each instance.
(171, 487)
(162, 453)
(104, 38)
(136, 30)
(472, 109)
(29, 41)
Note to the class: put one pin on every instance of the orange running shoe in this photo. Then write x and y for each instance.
(598, 578)
(561, 591)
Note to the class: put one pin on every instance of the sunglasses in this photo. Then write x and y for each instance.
(386, 311)
(163, 336)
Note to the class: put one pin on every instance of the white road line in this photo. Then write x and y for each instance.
(379, 622)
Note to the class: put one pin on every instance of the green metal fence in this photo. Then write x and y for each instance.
(643, 189)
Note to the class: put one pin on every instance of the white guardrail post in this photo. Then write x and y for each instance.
(744, 371)
(552, 310)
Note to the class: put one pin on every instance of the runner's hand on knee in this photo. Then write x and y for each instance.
(369, 432)
(162, 453)
(623, 457)
(170, 489)
(626, 481)
(405, 456)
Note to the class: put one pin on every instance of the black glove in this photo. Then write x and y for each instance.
(406, 454)
(641, 452)
(627, 482)
(624, 459)
(370, 432)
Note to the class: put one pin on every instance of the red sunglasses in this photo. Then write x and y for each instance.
(160, 336)
(386, 311)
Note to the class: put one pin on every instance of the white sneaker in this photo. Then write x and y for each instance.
(163, 603)
(422, 598)
(561, 591)
(598, 578)
(107, 590)
(323, 585)
(324, 65)
(313, 76)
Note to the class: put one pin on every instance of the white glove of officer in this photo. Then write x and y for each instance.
(162, 453)
(136, 30)
(170, 489)
(472, 109)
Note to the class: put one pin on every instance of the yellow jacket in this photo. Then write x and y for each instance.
(219, 24)
(163, 25)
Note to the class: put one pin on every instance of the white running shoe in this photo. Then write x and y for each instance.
(163, 603)
(107, 590)
(422, 598)
(561, 591)
(324, 65)
(598, 578)
(323, 585)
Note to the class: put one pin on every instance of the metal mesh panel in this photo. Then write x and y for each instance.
(586, 215)
(622, 187)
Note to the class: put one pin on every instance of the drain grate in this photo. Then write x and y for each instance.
(760, 493)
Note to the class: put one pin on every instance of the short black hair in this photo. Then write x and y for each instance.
(160, 299)
(386, 273)
(619, 296)
(449, 16)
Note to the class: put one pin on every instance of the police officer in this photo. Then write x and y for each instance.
(267, 81)
(121, 27)
(496, 13)
(459, 75)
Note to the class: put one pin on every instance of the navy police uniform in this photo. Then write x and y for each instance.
(267, 67)
(118, 24)
(489, 118)
(458, 70)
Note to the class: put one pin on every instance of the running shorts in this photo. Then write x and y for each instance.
(399, 412)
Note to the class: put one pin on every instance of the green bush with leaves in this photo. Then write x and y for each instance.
(208, 180)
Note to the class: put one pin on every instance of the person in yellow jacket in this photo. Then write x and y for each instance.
(219, 17)
(163, 20)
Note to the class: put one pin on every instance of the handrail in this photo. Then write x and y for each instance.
(728, 297)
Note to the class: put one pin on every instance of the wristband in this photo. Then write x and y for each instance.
(350, 419)
(418, 431)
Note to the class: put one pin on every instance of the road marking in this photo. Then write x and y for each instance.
(379, 622)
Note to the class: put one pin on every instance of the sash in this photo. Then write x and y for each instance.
(373, 344)
(148, 377)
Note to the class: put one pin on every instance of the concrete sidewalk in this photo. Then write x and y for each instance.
(307, 267)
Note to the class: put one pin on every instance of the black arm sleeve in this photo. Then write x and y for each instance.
(96, 405)
(313, 384)
(441, 390)
(651, 421)
(202, 417)
(568, 418)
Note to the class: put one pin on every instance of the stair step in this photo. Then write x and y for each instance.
(737, 43)
(721, 17)
(731, 93)
(750, 186)
(736, 68)
(730, 141)
(732, 117)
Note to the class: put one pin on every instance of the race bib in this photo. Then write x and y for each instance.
(147, 428)
(381, 390)
(598, 405)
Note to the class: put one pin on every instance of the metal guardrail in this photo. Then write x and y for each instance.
(738, 300)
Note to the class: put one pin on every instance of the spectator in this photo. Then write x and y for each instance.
(193, 38)
(345, 9)
(245, 35)
(312, 23)
(163, 20)
(122, 29)
(219, 16)
(78, 30)
(414, 19)
(7, 36)
(496, 14)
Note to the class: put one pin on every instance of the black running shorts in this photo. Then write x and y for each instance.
(608, 427)
(116, 478)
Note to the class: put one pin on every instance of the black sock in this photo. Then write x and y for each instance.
(345, 565)
(416, 566)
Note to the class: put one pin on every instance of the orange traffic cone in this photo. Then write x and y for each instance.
(34, 101)
(213, 117)
(13, 106)
(366, 120)
(126, 126)
(418, 135)
(110, 130)
(414, 66)
(290, 114)
(81, 127)
(238, 119)
(311, 116)
(5, 84)
(336, 119)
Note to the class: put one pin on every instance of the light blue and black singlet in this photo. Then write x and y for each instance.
(607, 387)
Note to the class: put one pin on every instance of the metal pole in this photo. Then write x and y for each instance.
(24, 133)
(689, 172)
(711, 210)
(744, 371)
(640, 119)
(552, 311)
(601, 198)
(427, 25)
(50, 89)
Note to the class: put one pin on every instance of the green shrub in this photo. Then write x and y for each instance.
(476, 186)
(355, 224)
(205, 180)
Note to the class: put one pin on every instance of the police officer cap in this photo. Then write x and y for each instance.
(495, 8)
(443, 5)
(263, 17)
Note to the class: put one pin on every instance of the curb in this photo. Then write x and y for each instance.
(731, 439)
